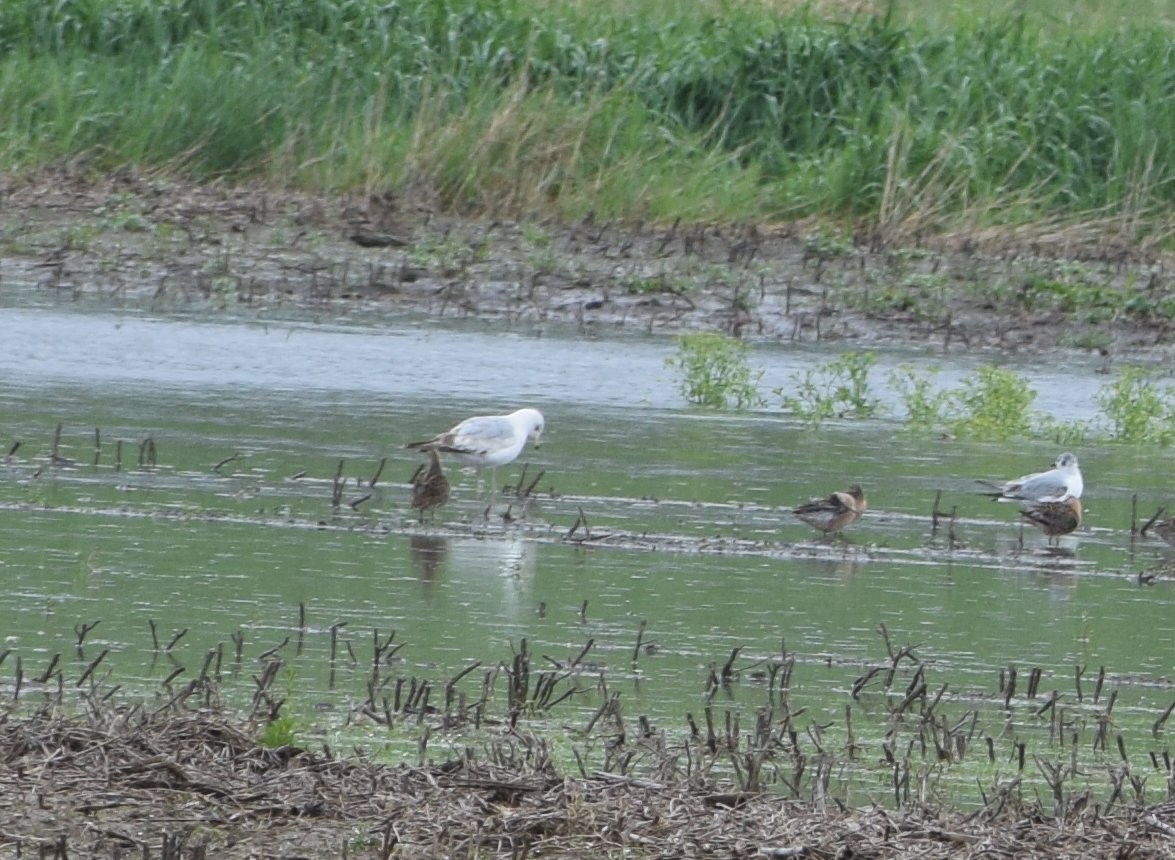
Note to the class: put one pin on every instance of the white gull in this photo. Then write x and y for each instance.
(1055, 485)
(487, 440)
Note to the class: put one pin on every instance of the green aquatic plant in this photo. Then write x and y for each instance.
(715, 372)
(992, 404)
(1070, 288)
(839, 389)
(1064, 433)
(1078, 291)
(1139, 408)
(926, 406)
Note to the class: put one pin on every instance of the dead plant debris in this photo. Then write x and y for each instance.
(123, 782)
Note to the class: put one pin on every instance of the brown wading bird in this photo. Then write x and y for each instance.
(834, 513)
(430, 487)
(1054, 518)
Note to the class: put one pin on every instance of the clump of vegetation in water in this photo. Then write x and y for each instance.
(1138, 407)
(839, 389)
(715, 372)
(1066, 433)
(992, 403)
(925, 405)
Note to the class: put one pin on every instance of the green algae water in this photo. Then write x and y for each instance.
(173, 486)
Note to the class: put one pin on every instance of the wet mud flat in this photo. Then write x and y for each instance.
(138, 239)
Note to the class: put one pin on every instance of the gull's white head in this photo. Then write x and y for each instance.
(1074, 482)
(530, 420)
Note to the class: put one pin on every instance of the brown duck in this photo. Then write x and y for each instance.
(430, 487)
(1054, 518)
(832, 514)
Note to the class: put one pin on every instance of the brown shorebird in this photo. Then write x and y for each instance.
(430, 487)
(1054, 518)
(834, 513)
(1056, 485)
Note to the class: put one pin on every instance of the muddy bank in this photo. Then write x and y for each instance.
(140, 240)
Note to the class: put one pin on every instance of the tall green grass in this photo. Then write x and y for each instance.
(505, 105)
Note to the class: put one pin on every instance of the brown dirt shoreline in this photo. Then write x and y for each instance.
(141, 240)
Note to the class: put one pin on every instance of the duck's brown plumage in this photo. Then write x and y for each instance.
(834, 513)
(430, 487)
(1054, 518)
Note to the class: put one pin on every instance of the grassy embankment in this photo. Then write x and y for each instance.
(732, 111)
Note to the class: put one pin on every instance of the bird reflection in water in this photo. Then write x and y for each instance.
(501, 569)
(428, 554)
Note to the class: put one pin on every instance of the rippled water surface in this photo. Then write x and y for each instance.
(646, 512)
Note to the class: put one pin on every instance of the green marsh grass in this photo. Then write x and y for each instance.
(731, 111)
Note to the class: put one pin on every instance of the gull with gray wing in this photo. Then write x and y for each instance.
(1056, 485)
(487, 440)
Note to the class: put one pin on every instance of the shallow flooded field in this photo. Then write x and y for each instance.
(241, 484)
